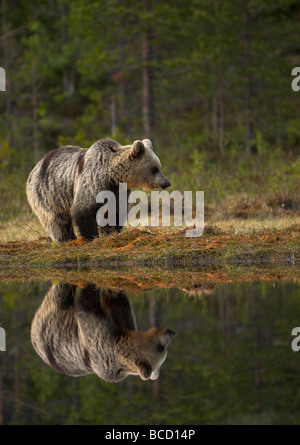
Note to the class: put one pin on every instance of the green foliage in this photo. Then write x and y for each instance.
(87, 53)
(8, 155)
(270, 174)
(75, 75)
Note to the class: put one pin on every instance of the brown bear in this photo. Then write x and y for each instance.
(62, 188)
(96, 333)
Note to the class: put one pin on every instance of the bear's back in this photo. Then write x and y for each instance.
(57, 163)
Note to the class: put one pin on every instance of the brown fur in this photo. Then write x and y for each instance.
(62, 188)
(96, 334)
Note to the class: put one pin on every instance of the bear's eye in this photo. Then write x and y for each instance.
(160, 348)
(154, 170)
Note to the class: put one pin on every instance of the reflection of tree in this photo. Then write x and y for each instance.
(154, 320)
(16, 361)
(255, 310)
(1, 389)
(1, 377)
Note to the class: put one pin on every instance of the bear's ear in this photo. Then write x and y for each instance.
(145, 370)
(137, 150)
(148, 143)
(166, 336)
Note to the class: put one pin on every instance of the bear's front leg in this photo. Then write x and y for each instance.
(107, 229)
(86, 223)
(117, 305)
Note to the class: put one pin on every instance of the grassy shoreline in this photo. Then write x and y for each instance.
(158, 247)
(194, 280)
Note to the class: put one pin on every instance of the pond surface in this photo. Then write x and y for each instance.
(230, 362)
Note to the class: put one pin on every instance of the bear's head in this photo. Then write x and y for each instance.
(138, 166)
(146, 354)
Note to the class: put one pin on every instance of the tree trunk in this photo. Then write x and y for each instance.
(249, 131)
(113, 116)
(218, 118)
(206, 118)
(35, 113)
(6, 62)
(221, 120)
(147, 77)
(68, 73)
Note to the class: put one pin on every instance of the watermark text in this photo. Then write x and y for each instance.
(296, 81)
(2, 340)
(145, 213)
(296, 342)
(2, 79)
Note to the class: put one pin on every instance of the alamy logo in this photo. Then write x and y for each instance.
(296, 342)
(2, 340)
(2, 79)
(295, 82)
(139, 213)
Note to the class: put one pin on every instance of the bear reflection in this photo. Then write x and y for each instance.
(96, 333)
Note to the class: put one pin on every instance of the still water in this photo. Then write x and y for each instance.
(73, 355)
